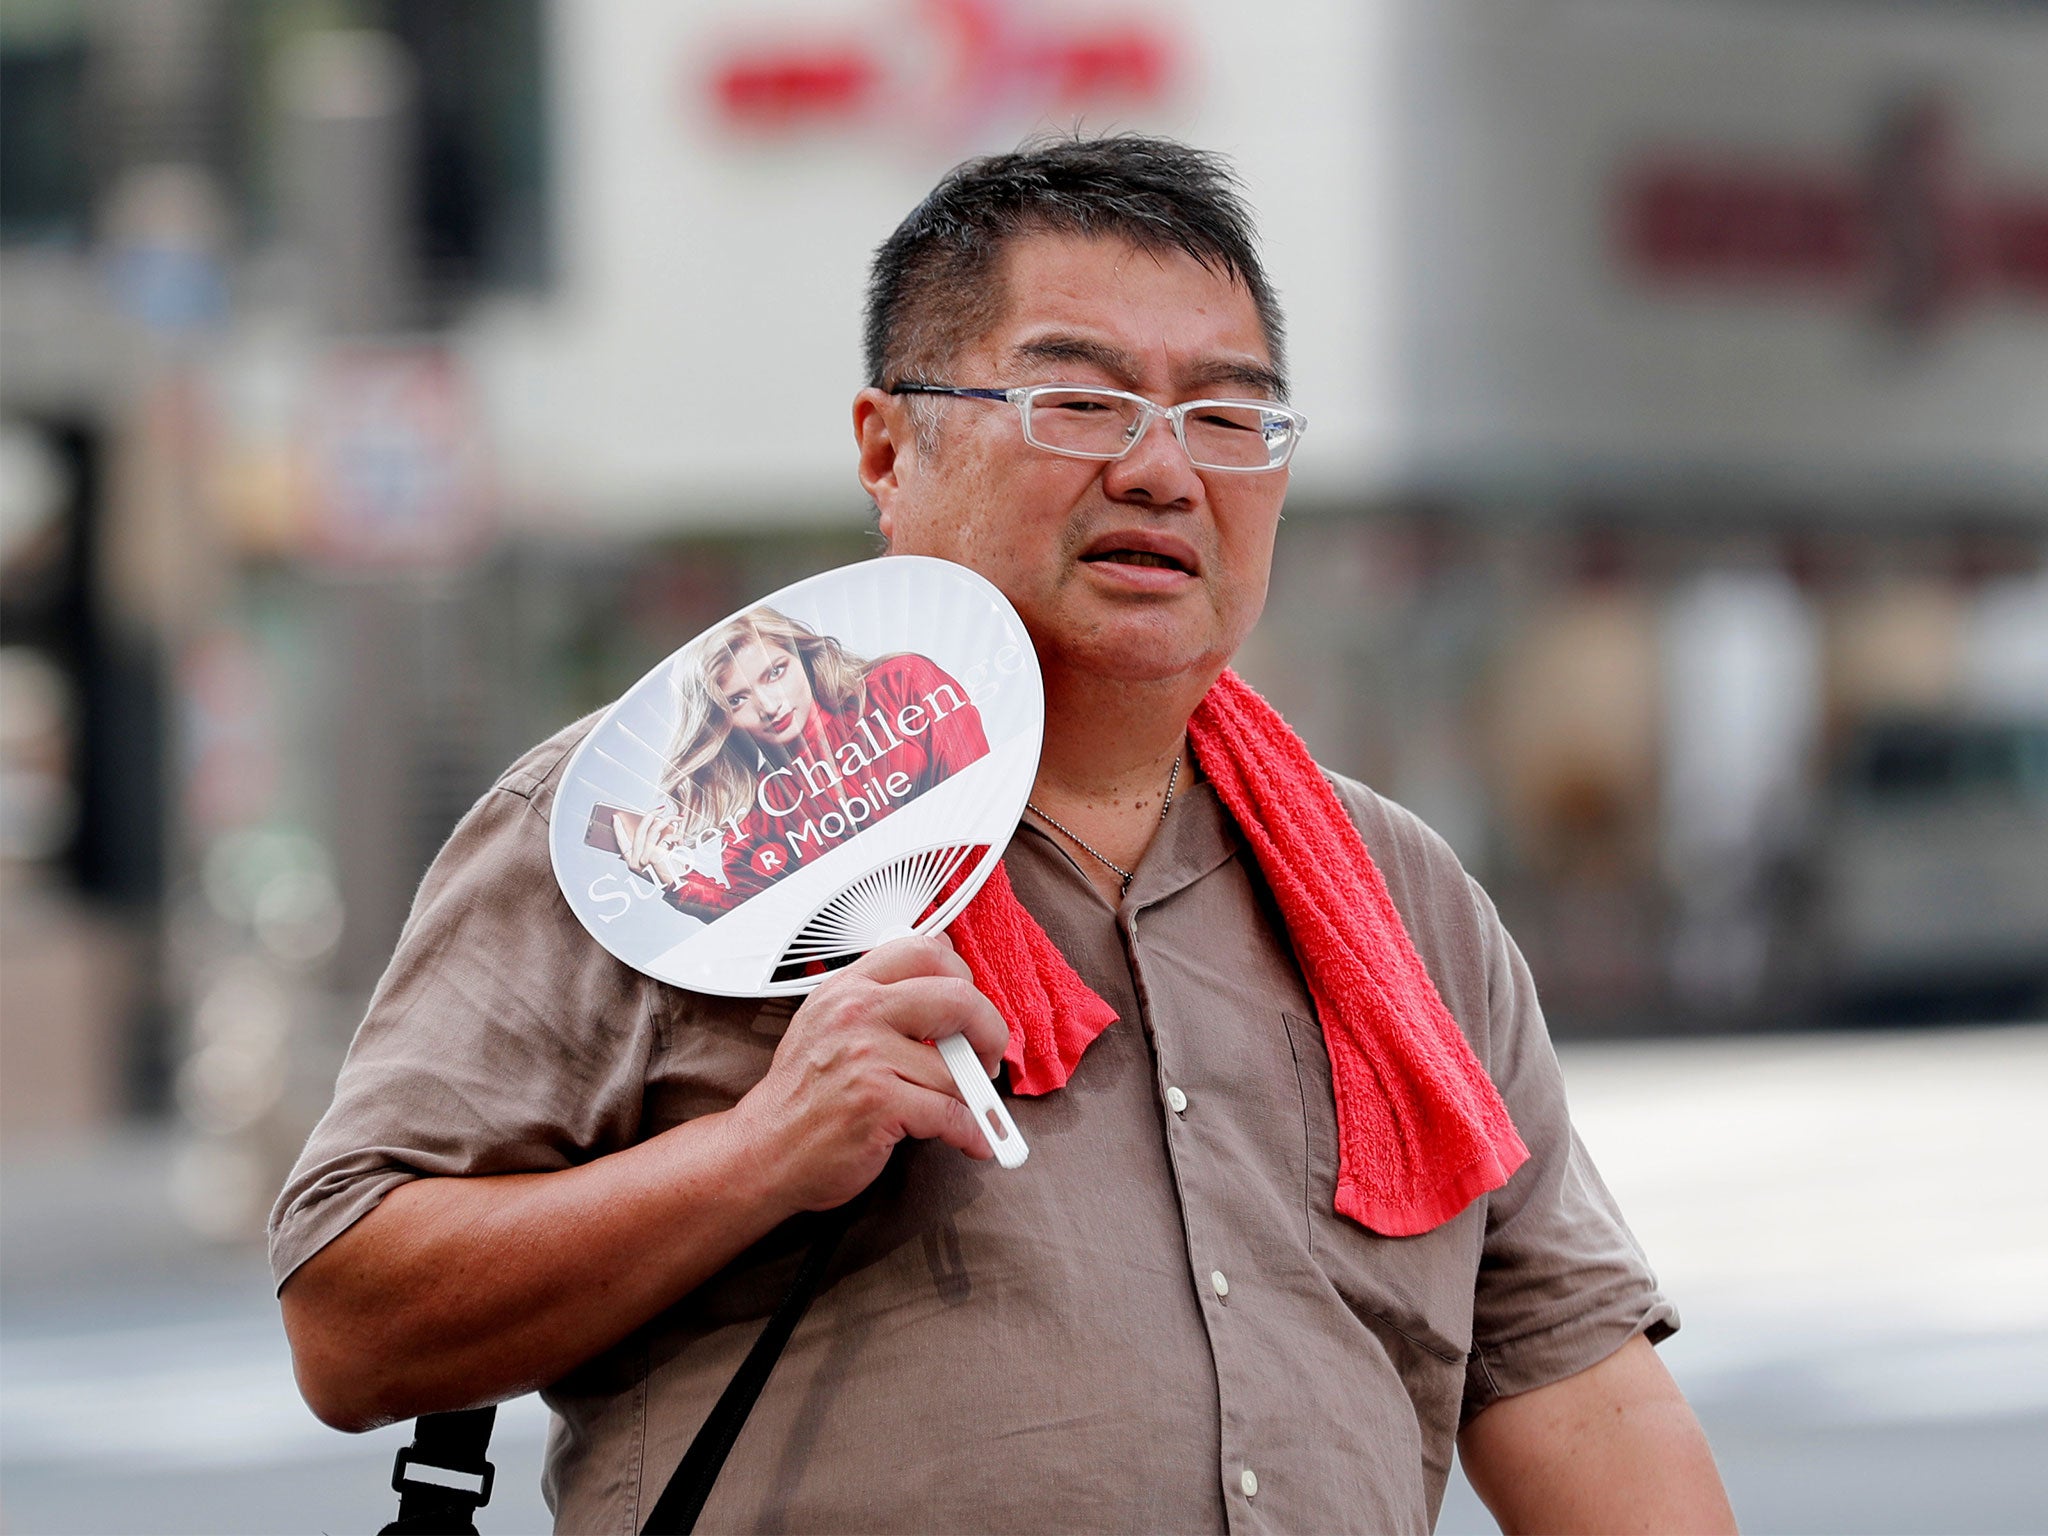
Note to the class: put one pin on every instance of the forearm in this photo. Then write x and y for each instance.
(457, 1291)
(1614, 1448)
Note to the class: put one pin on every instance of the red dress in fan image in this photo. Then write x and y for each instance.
(786, 745)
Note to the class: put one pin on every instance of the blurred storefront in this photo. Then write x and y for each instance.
(388, 383)
(1735, 319)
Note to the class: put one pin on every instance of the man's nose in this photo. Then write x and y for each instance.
(1156, 471)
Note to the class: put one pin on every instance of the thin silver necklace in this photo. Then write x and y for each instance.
(1125, 875)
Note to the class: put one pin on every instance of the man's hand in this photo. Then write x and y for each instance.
(854, 1074)
(458, 1291)
(1614, 1448)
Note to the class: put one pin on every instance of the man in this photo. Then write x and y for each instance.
(545, 1171)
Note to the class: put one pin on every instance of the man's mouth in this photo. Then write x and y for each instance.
(1144, 557)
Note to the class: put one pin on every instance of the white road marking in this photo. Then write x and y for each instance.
(181, 1397)
(1841, 1182)
(1851, 1224)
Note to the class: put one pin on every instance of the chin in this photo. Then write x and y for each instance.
(1147, 659)
(1137, 642)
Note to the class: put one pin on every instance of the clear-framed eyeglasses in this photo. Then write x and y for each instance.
(1085, 422)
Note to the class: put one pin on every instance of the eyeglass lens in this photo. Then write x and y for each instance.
(1100, 424)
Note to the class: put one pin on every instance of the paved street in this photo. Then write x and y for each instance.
(1849, 1224)
(1853, 1231)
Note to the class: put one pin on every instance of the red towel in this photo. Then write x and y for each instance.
(1421, 1130)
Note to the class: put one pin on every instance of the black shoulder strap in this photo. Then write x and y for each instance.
(675, 1512)
(452, 1444)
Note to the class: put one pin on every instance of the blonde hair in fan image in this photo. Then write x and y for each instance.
(712, 765)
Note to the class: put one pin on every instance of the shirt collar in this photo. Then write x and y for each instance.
(1196, 837)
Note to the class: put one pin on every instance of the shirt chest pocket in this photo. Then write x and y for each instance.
(709, 1052)
(1418, 1287)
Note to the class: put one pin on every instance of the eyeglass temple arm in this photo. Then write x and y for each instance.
(949, 389)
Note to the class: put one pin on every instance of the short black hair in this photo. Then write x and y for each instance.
(934, 288)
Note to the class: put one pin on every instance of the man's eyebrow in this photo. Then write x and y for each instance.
(1243, 372)
(1114, 361)
(1237, 372)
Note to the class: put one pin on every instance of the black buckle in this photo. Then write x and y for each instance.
(402, 1484)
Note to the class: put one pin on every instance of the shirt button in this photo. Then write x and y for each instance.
(1248, 1480)
(1176, 1101)
(1221, 1285)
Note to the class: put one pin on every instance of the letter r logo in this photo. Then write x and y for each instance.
(769, 861)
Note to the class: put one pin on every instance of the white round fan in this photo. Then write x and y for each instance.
(833, 766)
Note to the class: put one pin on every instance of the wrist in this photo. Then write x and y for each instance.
(758, 1172)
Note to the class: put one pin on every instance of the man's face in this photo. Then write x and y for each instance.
(1137, 569)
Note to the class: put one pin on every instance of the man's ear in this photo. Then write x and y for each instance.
(881, 429)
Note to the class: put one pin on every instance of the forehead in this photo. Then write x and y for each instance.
(1150, 319)
(748, 655)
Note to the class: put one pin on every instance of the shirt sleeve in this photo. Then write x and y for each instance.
(502, 1037)
(1562, 1283)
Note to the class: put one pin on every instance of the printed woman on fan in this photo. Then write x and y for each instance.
(755, 696)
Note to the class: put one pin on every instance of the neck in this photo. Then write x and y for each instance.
(1109, 750)
(1102, 737)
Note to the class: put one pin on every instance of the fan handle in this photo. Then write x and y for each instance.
(990, 1113)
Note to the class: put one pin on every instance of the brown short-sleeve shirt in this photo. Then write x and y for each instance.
(1160, 1302)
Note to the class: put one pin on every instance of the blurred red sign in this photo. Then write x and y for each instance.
(1912, 227)
(957, 60)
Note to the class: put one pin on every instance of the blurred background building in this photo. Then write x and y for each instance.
(387, 382)
(384, 383)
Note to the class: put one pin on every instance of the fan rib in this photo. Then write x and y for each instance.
(896, 895)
